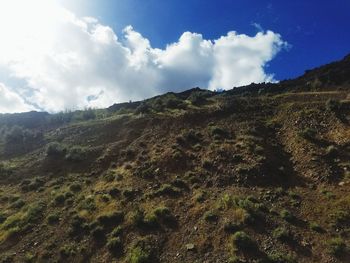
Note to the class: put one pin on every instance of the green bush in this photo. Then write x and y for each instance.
(278, 257)
(332, 151)
(67, 251)
(115, 245)
(218, 132)
(55, 149)
(287, 215)
(76, 154)
(112, 219)
(75, 187)
(59, 199)
(282, 234)
(78, 225)
(139, 255)
(211, 216)
(242, 241)
(143, 108)
(308, 133)
(116, 232)
(98, 233)
(167, 189)
(315, 227)
(18, 204)
(164, 215)
(53, 219)
(333, 105)
(337, 246)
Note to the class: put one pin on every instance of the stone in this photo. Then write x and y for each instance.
(190, 246)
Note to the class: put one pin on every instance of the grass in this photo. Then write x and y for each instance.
(21, 221)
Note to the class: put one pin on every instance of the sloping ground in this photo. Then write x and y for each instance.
(218, 179)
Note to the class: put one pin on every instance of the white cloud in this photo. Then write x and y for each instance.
(11, 102)
(71, 62)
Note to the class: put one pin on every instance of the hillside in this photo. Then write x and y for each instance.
(256, 174)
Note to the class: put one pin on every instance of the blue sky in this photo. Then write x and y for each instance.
(318, 31)
(63, 54)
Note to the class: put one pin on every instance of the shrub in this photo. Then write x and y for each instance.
(231, 227)
(207, 164)
(211, 216)
(234, 259)
(5, 171)
(278, 257)
(114, 218)
(164, 215)
(287, 215)
(137, 217)
(3, 217)
(174, 103)
(78, 225)
(315, 227)
(29, 257)
(18, 204)
(98, 233)
(143, 108)
(59, 199)
(53, 219)
(150, 221)
(282, 234)
(116, 232)
(129, 193)
(242, 217)
(333, 105)
(55, 149)
(76, 154)
(88, 204)
(242, 241)
(75, 187)
(308, 133)
(218, 132)
(228, 201)
(331, 151)
(198, 98)
(67, 251)
(337, 246)
(114, 192)
(169, 190)
(115, 245)
(139, 255)
(88, 114)
(340, 218)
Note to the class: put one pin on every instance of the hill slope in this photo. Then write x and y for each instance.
(256, 174)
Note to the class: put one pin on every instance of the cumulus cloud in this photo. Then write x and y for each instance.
(70, 62)
(11, 102)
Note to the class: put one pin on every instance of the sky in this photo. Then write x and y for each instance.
(60, 55)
